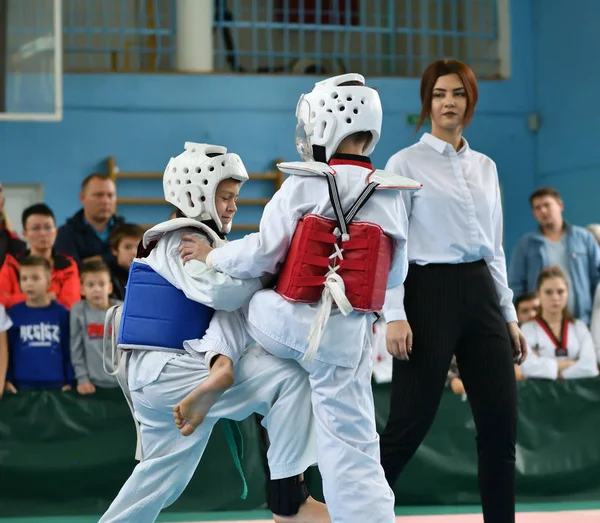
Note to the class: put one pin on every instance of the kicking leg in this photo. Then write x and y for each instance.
(226, 337)
(273, 388)
(191, 411)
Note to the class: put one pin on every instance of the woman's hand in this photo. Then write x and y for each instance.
(519, 344)
(398, 339)
(192, 247)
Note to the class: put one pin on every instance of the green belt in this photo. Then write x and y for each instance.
(233, 434)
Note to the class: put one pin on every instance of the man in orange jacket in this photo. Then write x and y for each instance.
(39, 228)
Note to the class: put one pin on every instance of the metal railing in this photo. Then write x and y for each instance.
(383, 38)
(376, 37)
(118, 35)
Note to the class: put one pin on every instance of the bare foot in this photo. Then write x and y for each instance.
(311, 511)
(192, 409)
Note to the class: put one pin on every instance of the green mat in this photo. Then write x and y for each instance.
(261, 514)
(61, 454)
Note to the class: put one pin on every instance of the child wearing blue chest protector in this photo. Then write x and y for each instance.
(169, 303)
(335, 233)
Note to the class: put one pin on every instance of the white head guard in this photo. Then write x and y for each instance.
(190, 180)
(330, 113)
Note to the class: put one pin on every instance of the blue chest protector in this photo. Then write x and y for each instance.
(157, 315)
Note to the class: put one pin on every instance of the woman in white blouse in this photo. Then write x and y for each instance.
(456, 301)
(561, 346)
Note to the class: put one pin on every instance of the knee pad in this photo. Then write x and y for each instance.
(285, 496)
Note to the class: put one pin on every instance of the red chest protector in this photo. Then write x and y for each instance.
(359, 253)
(364, 266)
(338, 262)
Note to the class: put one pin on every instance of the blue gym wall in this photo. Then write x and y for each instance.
(144, 119)
(567, 93)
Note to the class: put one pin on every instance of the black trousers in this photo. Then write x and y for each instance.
(454, 309)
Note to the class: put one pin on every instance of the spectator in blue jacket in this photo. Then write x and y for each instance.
(572, 248)
(85, 234)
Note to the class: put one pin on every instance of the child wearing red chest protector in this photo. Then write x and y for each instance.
(335, 233)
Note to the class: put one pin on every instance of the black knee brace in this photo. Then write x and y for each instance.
(285, 496)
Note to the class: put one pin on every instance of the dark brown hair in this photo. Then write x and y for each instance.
(547, 273)
(442, 68)
(122, 231)
(528, 296)
(35, 261)
(94, 266)
(544, 191)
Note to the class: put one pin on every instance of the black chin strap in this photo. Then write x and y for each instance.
(319, 153)
(212, 225)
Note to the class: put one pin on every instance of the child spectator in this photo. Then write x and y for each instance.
(87, 329)
(38, 340)
(527, 306)
(124, 240)
(5, 324)
(39, 228)
(561, 345)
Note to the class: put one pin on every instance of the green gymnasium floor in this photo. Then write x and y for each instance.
(531, 513)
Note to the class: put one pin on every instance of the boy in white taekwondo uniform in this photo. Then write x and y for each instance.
(310, 237)
(169, 302)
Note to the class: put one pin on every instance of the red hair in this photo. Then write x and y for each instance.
(443, 68)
